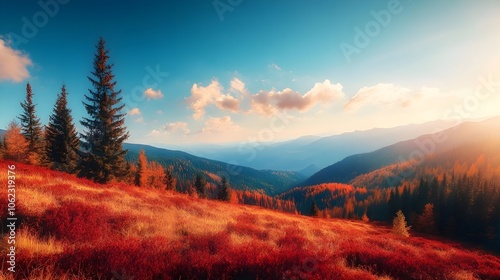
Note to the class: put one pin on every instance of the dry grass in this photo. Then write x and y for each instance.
(30, 244)
(462, 275)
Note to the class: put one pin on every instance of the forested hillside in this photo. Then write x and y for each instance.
(453, 191)
(351, 167)
(186, 166)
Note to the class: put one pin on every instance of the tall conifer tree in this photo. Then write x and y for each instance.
(61, 139)
(224, 192)
(32, 129)
(200, 185)
(314, 211)
(104, 157)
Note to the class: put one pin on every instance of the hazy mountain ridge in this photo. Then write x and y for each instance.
(186, 166)
(355, 165)
(481, 156)
(308, 152)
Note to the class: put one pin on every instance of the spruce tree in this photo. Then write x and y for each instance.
(394, 201)
(223, 191)
(441, 207)
(32, 129)
(495, 221)
(200, 185)
(103, 159)
(314, 211)
(61, 139)
(170, 180)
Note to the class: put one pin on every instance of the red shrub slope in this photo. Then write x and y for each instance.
(73, 228)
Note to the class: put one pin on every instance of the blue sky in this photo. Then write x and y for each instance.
(239, 70)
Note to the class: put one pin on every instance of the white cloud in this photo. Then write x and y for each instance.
(13, 64)
(227, 102)
(275, 66)
(389, 96)
(237, 86)
(153, 94)
(155, 132)
(134, 112)
(159, 112)
(139, 120)
(201, 97)
(220, 125)
(176, 127)
(264, 102)
(269, 102)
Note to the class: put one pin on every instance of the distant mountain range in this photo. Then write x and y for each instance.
(360, 180)
(309, 154)
(186, 166)
(352, 166)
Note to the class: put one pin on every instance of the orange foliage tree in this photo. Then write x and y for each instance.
(16, 146)
(141, 177)
(157, 177)
(427, 222)
(152, 174)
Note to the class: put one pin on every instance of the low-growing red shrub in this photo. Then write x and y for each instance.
(247, 217)
(392, 263)
(293, 239)
(26, 265)
(130, 257)
(95, 247)
(4, 205)
(242, 228)
(211, 243)
(119, 222)
(76, 222)
(182, 201)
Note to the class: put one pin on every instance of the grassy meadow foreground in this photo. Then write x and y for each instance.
(75, 229)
